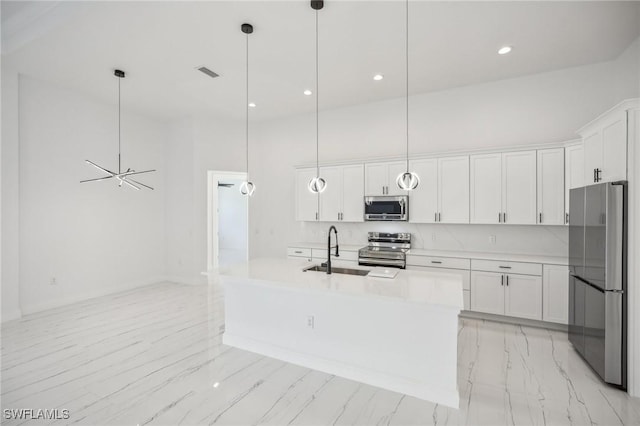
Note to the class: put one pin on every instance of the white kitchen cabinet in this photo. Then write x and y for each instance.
(555, 294)
(503, 188)
(574, 173)
(487, 292)
(353, 193)
(605, 141)
(523, 296)
(443, 193)
(306, 201)
(486, 188)
(519, 187)
(380, 178)
(342, 200)
(506, 294)
(551, 188)
(453, 189)
(423, 202)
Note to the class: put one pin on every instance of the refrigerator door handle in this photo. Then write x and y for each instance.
(615, 238)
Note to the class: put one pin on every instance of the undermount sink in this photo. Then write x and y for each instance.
(337, 270)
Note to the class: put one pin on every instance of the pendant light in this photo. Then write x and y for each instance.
(247, 187)
(317, 184)
(121, 177)
(407, 180)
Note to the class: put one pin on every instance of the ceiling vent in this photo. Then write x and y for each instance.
(208, 72)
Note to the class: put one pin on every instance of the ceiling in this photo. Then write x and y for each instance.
(159, 45)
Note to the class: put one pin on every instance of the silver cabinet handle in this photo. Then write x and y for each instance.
(436, 262)
(298, 252)
(502, 280)
(504, 218)
(507, 280)
(435, 216)
(540, 216)
(504, 267)
(566, 218)
(439, 218)
(316, 215)
(598, 177)
(499, 217)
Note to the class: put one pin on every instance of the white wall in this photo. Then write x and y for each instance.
(10, 195)
(541, 108)
(94, 238)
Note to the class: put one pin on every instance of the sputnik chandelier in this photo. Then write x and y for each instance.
(120, 176)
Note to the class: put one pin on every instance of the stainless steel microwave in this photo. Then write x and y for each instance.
(386, 208)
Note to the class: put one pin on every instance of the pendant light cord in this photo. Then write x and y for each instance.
(317, 103)
(407, 71)
(119, 119)
(247, 109)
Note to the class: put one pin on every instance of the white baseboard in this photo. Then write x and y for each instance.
(69, 299)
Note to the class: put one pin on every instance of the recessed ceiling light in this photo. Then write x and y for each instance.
(308, 92)
(252, 105)
(378, 77)
(504, 50)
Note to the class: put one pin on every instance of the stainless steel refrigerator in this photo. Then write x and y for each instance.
(598, 278)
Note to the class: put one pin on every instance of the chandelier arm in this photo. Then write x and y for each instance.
(140, 183)
(99, 168)
(97, 179)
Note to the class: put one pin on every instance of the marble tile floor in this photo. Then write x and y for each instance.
(153, 356)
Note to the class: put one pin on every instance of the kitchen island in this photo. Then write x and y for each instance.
(399, 334)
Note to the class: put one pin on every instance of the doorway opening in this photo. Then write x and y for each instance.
(228, 220)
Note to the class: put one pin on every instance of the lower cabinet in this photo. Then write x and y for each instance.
(507, 294)
(555, 294)
(464, 274)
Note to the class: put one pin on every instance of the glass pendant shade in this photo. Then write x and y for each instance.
(317, 185)
(408, 181)
(247, 188)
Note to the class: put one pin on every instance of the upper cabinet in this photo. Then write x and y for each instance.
(573, 173)
(306, 201)
(380, 178)
(503, 188)
(443, 193)
(605, 142)
(551, 188)
(343, 199)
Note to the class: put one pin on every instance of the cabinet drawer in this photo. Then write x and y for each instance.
(439, 262)
(506, 267)
(298, 252)
(344, 255)
(465, 275)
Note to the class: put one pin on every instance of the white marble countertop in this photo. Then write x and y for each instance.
(432, 288)
(513, 257)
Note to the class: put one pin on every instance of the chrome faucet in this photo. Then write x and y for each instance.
(329, 248)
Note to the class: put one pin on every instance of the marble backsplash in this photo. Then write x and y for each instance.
(520, 239)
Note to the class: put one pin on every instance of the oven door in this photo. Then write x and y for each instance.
(386, 208)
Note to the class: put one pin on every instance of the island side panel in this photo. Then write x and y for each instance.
(402, 346)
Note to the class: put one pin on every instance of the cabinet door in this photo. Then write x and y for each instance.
(555, 294)
(487, 292)
(519, 187)
(592, 156)
(331, 197)
(574, 173)
(423, 202)
(551, 186)
(393, 170)
(453, 189)
(486, 190)
(375, 178)
(523, 296)
(306, 201)
(614, 144)
(353, 193)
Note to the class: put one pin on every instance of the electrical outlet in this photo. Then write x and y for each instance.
(310, 321)
(492, 239)
(53, 281)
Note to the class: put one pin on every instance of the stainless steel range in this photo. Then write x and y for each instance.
(385, 249)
